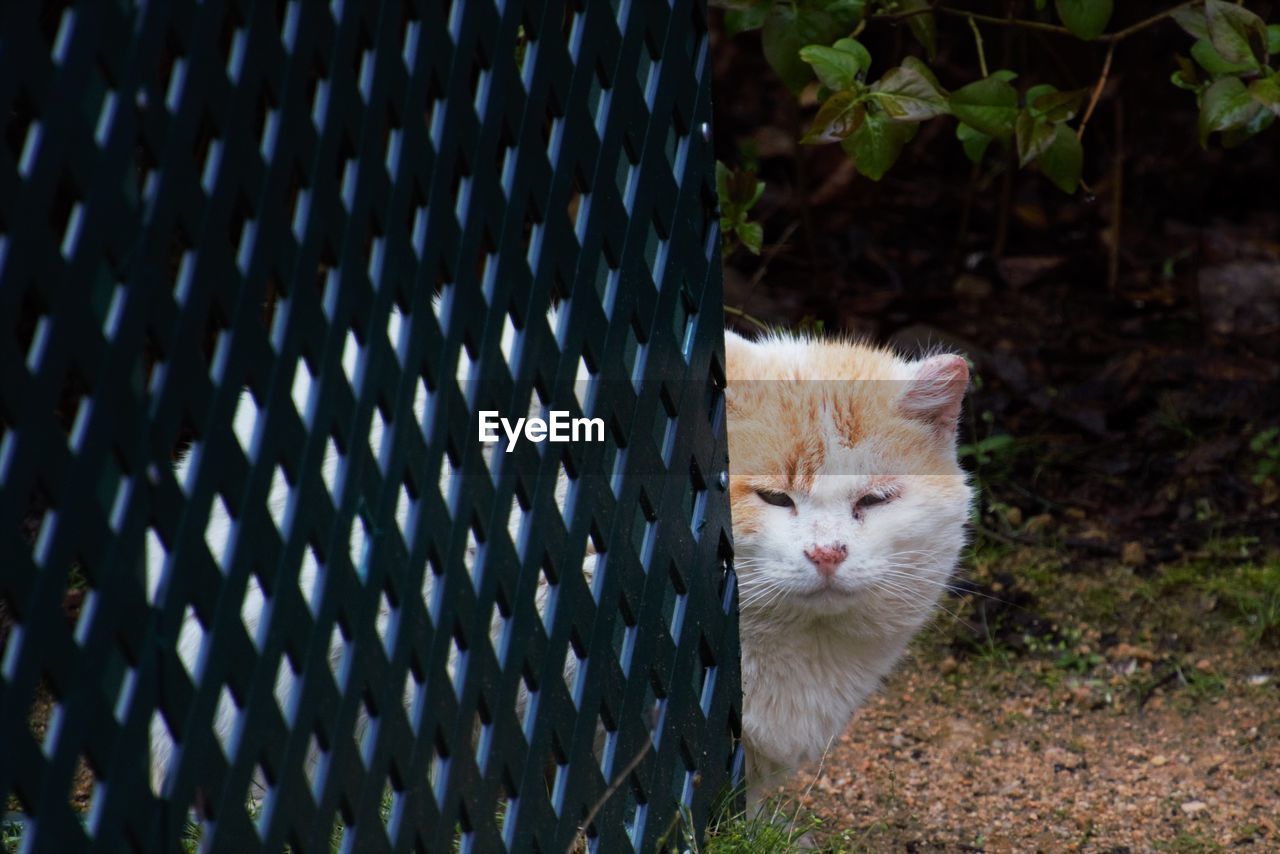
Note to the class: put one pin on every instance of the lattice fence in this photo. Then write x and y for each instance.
(262, 235)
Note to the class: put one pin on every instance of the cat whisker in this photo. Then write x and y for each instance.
(953, 588)
(907, 597)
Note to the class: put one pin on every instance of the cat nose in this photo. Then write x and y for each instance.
(827, 558)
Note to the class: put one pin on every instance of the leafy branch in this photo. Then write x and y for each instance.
(1229, 70)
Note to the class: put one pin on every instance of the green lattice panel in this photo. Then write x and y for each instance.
(208, 206)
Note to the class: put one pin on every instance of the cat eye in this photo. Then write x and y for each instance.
(777, 499)
(871, 500)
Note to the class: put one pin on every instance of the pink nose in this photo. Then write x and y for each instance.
(827, 558)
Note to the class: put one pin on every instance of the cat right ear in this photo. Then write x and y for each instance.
(935, 392)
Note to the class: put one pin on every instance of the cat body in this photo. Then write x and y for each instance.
(831, 589)
(849, 513)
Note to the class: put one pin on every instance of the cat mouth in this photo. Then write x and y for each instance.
(829, 588)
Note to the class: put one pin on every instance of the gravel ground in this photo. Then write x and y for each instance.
(973, 757)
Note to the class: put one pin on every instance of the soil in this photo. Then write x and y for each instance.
(1066, 710)
(961, 762)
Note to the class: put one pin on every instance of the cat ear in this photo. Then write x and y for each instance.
(935, 391)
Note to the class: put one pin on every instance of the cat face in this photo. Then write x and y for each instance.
(847, 498)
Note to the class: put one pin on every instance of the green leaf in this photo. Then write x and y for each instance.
(923, 25)
(1062, 161)
(876, 144)
(1187, 76)
(1192, 20)
(1035, 93)
(1225, 105)
(859, 52)
(846, 14)
(910, 92)
(1086, 19)
(1266, 91)
(1059, 106)
(1238, 34)
(989, 106)
(1273, 38)
(837, 69)
(742, 20)
(722, 184)
(786, 30)
(752, 236)
(738, 191)
(1211, 61)
(1034, 135)
(1256, 125)
(973, 141)
(924, 71)
(839, 116)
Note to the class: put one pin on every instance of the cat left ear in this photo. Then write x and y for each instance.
(935, 393)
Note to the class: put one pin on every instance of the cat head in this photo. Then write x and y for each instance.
(847, 499)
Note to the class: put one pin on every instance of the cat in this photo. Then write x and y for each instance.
(849, 513)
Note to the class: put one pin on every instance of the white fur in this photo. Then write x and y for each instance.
(814, 649)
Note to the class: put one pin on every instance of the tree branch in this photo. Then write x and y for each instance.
(1024, 24)
(1097, 90)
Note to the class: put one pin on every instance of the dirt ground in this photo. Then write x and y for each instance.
(1159, 735)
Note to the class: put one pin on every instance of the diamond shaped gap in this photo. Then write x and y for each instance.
(582, 383)
(603, 743)
(85, 787)
(517, 518)
(190, 641)
(396, 327)
(157, 555)
(430, 578)
(574, 661)
(224, 722)
(499, 620)
(337, 654)
(387, 617)
(421, 407)
(548, 588)
(329, 467)
(456, 666)
(309, 578)
(303, 379)
(278, 498)
(217, 531)
(162, 748)
(510, 338)
(284, 688)
(351, 357)
(406, 511)
(244, 421)
(316, 760)
(471, 556)
(253, 606)
(564, 483)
